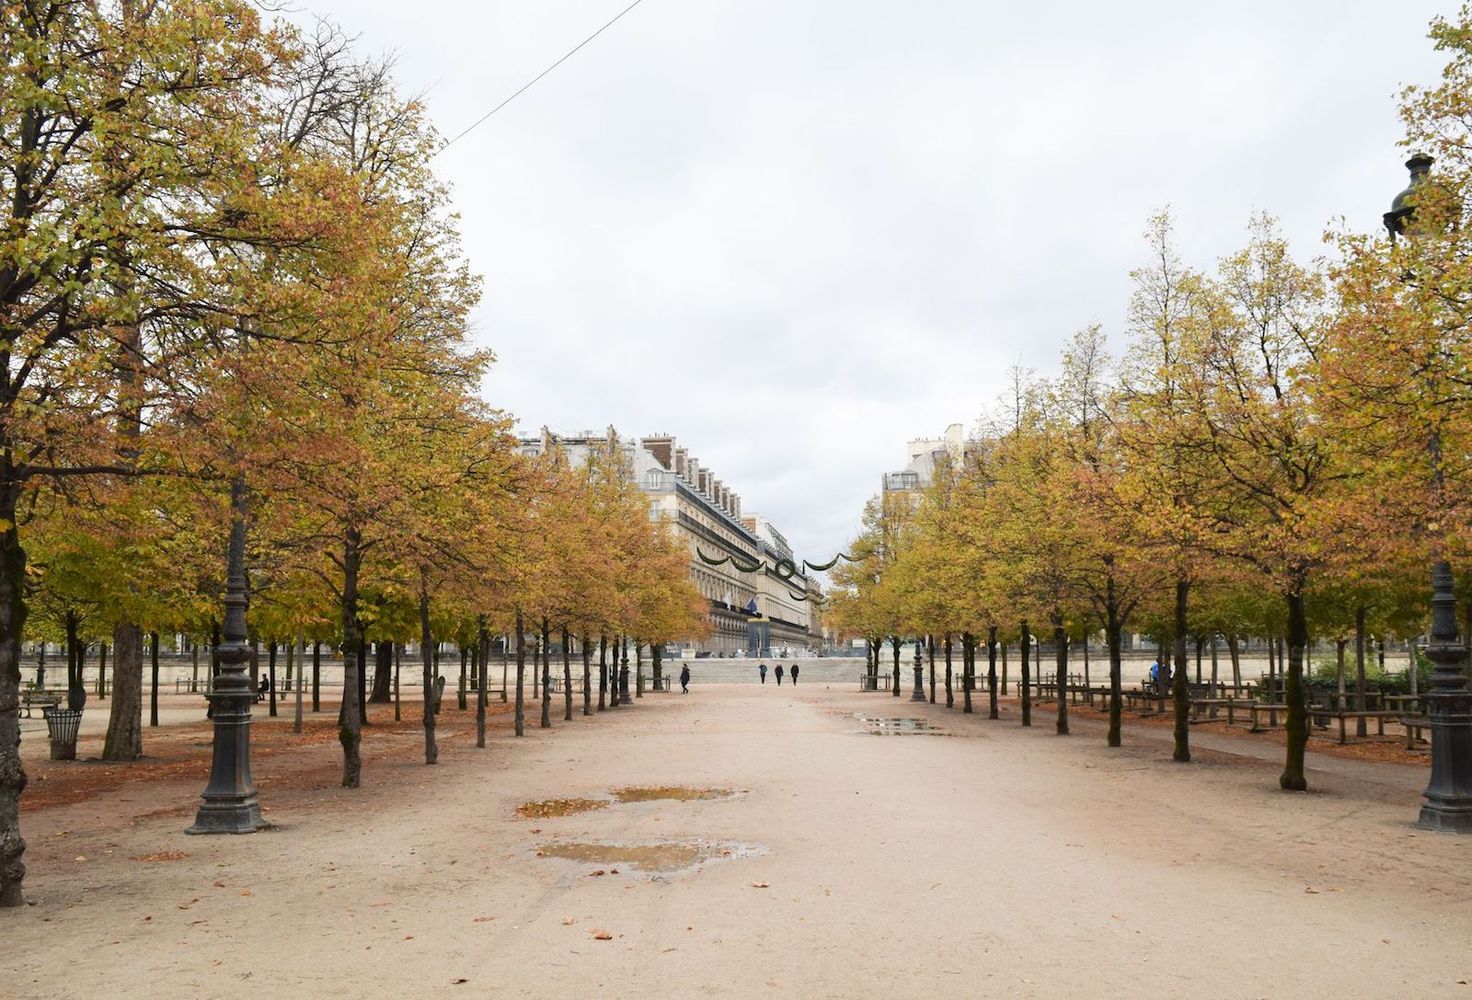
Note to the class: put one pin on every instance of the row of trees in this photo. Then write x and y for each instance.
(1281, 449)
(232, 288)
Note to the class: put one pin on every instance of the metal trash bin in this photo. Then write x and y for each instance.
(62, 725)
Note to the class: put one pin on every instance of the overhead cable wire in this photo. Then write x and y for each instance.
(476, 124)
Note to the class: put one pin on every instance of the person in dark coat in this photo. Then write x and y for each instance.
(779, 675)
(794, 673)
(762, 669)
(685, 679)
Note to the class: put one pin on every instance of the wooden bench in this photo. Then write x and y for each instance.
(1271, 709)
(1414, 724)
(660, 683)
(31, 698)
(1379, 715)
(1210, 706)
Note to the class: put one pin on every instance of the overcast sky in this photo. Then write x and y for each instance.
(798, 233)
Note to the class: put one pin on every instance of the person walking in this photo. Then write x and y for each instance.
(685, 679)
(779, 675)
(762, 669)
(794, 673)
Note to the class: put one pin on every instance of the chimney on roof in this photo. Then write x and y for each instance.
(662, 447)
(681, 459)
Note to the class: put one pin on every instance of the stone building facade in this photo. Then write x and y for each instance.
(754, 612)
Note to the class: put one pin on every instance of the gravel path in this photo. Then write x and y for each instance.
(982, 861)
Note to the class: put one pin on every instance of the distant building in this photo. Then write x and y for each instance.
(926, 455)
(755, 612)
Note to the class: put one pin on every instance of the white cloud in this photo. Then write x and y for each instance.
(797, 235)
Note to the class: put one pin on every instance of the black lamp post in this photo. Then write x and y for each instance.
(1448, 796)
(230, 804)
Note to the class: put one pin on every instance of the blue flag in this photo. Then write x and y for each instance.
(751, 606)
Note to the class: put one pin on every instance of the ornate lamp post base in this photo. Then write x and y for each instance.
(1448, 795)
(230, 804)
(919, 694)
(623, 683)
(1448, 805)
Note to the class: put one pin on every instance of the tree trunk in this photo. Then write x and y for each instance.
(383, 673)
(271, 675)
(432, 687)
(483, 648)
(930, 649)
(363, 682)
(1004, 670)
(73, 672)
(350, 719)
(398, 666)
(520, 674)
(153, 679)
(1215, 682)
(1359, 670)
(991, 673)
(194, 670)
(1179, 691)
(602, 670)
(1339, 687)
(294, 654)
(950, 696)
(546, 675)
(463, 693)
(1296, 725)
(102, 669)
(566, 677)
(1273, 693)
(587, 650)
(125, 718)
(1114, 637)
(12, 773)
(1234, 652)
(316, 676)
(1060, 637)
(1026, 678)
(968, 670)
(1087, 685)
(894, 642)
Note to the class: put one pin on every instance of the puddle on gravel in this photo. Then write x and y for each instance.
(899, 727)
(547, 808)
(657, 858)
(675, 793)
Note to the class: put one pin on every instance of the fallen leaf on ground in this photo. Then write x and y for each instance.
(246, 892)
(1310, 890)
(481, 920)
(569, 921)
(408, 937)
(457, 982)
(161, 856)
(761, 885)
(613, 871)
(597, 873)
(602, 936)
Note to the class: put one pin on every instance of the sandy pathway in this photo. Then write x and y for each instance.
(992, 862)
